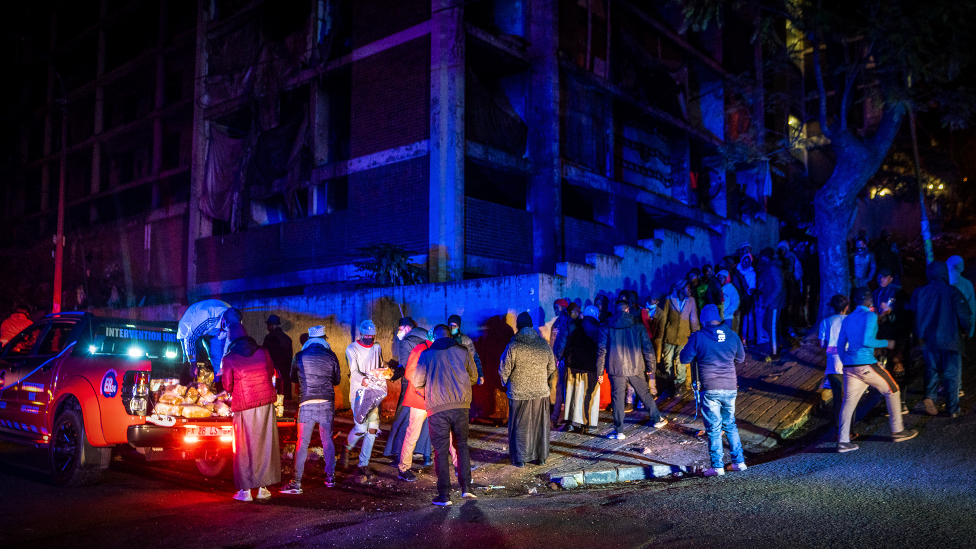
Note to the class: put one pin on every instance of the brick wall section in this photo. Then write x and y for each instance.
(388, 204)
(497, 232)
(390, 98)
(375, 19)
(584, 237)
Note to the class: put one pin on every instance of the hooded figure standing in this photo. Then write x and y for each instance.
(528, 369)
(717, 349)
(247, 375)
(625, 352)
(941, 317)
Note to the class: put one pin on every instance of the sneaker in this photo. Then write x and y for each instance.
(442, 501)
(329, 480)
(616, 435)
(660, 424)
(263, 493)
(293, 487)
(518, 464)
(846, 447)
(902, 436)
(714, 471)
(344, 458)
(468, 495)
(930, 408)
(243, 495)
(407, 476)
(628, 408)
(741, 466)
(428, 461)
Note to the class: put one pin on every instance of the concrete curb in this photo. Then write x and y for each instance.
(590, 477)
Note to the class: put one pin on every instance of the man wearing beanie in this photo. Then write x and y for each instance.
(717, 349)
(316, 372)
(363, 356)
(527, 368)
(445, 373)
(454, 323)
(626, 354)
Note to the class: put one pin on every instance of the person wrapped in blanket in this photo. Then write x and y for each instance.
(207, 319)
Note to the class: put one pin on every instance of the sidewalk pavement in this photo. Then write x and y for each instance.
(775, 399)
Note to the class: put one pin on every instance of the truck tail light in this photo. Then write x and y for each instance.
(135, 392)
(142, 384)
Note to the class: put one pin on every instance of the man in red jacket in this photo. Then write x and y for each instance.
(247, 375)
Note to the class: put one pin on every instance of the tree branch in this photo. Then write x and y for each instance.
(881, 141)
(821, 90)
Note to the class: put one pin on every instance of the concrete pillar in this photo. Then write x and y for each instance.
(199, 225)
(545, 188)
(446, 221)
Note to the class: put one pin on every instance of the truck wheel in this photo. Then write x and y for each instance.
(211, 466)
(72, 460)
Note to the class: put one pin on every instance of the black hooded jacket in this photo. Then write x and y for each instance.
(624, 349)
(941, 311)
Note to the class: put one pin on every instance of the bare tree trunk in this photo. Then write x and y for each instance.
(835, 205)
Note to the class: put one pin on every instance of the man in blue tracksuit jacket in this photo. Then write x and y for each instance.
(856, 343)
(717, 349)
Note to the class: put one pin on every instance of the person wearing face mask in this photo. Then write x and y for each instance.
(454, 323)
(863, 266)
(363, 356)
(652, 316)
(730, 298)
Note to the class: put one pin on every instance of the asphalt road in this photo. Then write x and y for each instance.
(920, 493)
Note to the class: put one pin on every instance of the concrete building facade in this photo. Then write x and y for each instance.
(251, 149)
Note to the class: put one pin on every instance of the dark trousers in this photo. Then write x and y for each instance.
(618, 392)
(442, 425)
(943, 368)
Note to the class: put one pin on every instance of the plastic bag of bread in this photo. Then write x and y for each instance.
(192, 395)
(222, 409)
(206, 400)
(194, 411)
(168, 409)
(170, 399)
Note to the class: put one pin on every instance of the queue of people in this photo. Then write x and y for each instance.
(706, 319)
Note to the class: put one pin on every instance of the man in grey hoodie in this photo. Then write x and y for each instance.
(446, 372)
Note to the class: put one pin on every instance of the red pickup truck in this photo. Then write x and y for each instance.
(79, 385)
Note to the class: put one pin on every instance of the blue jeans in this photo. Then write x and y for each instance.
(308, 415)
(946, 365)
(718, 411)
